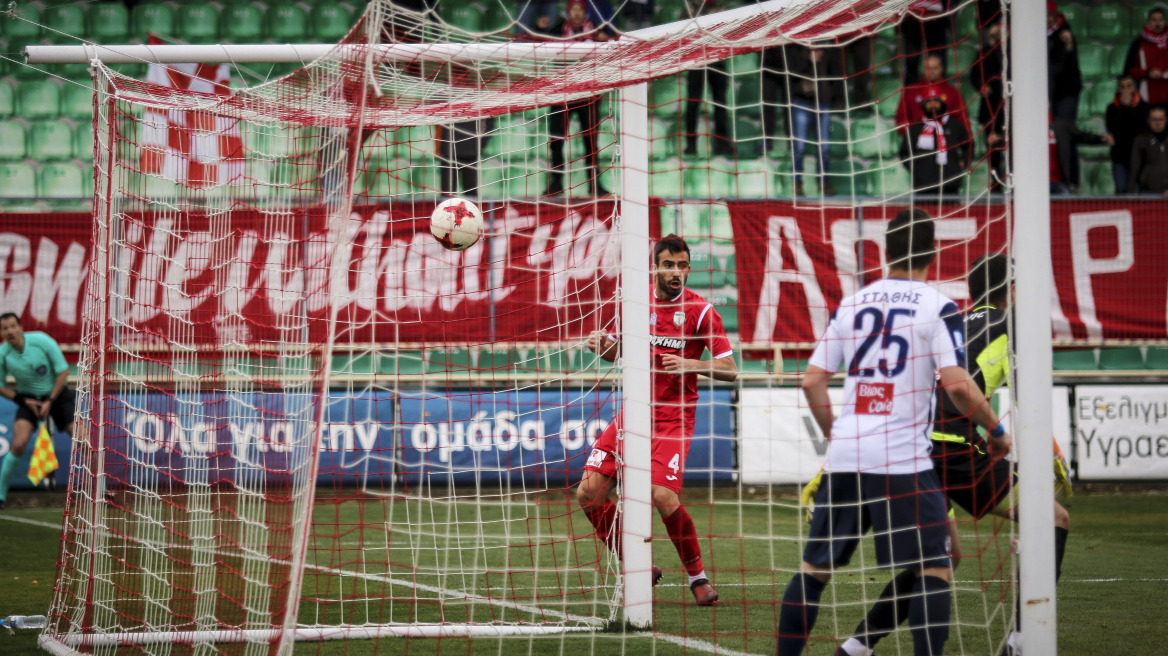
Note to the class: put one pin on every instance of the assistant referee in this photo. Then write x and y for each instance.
(34, 359)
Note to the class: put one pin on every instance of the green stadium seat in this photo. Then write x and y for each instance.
(892, 179)
(62, 181)
(664, 144)
(753, 365)
(329, 22)
(66, 23)
(464, 17)
(525, 182)
(76, 102)
(1076, 14)
(13, 141)
(151, 18)
(666, 183)
(730, 271)
(1095, 62)
(36, 99)
(50, 141)
(353, 364)
(240, 23)
(794, 365)
(875, 139)
(747, 95)
(1109, 23)
(837, 138)
(26, 24)
(728, 308)
(1075, 360)
(720, 224)
(1157, 358)
(885, 58)
(848, 177)
(18, 181)
(285, 24)
(1122, 358)
(755, 180)
(401, 362)
(197, 23)
(1097, 178)
(83, 141)
(7, 99)
(109, 22)
(1117, 57)
(665, 96)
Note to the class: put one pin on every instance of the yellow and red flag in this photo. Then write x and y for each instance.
(44, 456)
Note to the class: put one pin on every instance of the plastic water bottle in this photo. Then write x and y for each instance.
(24, 622)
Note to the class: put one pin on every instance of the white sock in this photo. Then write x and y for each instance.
(856, 648)
(697, 577)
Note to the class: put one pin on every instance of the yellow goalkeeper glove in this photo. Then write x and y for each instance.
(1062, 475)
(807, 496)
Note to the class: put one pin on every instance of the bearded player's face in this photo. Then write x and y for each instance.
(672, 271)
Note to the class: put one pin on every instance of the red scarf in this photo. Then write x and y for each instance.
(1159, 40)
(1060, 21)
(934, 135)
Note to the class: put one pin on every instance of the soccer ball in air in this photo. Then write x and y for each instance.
(457, 223)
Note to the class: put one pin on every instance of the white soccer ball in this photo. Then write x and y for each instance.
(457, 223)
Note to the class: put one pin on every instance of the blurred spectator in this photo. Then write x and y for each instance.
(856, 63)
(1127, 117)
(937, 150)
(1064, 82)
(1065, 138)
(1147, 59)
(719, 80)
(811, 74)
(637, 14)
(986, 77)
(575, 27)
(460, 150)
(909, 109)
(538, 16)
(1149, 162)
(774, 97)
(927, 30)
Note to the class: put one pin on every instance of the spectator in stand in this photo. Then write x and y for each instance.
(1127, 116)
(1064, 82)
(575, 27)
(460, 150)
(986, 77)
(537, 16)
(719, 80)
(856, 63)
(1147, 60)
(927, 29)
(1149, 162)
(937, 150)
(774, 97)
(811, 74)
(909, 109)
(1065, 138)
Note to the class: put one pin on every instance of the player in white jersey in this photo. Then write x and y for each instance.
(892, 337)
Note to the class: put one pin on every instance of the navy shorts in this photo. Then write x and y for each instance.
(906, 512)
(61, 411)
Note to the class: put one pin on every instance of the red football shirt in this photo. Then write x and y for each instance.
(685, 326)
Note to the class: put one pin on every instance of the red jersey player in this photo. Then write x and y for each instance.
(682, 325)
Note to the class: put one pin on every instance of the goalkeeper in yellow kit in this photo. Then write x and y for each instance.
(34, 359)
(970, 476)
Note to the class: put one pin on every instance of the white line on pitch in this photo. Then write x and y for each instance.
(33, 522)
(694, 644)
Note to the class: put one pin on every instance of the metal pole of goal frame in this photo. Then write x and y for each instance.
(1032, 346)
(636, 497)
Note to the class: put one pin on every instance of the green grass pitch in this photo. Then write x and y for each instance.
(1110, 599)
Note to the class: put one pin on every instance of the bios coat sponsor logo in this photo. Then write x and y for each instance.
(874, 398)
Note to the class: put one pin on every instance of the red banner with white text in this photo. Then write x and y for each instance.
(545, 273)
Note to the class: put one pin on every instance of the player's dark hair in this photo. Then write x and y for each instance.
(989, 280)
(10, 315)
(908, 240)
(672, 243)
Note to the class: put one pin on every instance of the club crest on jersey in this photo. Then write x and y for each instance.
(874, 398)
(679, 319)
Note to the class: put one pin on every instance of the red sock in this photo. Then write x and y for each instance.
(685, 538)
(607, 522)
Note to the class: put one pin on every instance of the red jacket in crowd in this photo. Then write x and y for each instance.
(1147, 54)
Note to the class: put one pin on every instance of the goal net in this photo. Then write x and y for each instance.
(301, 418)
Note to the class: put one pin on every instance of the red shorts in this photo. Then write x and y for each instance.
(669, 448)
